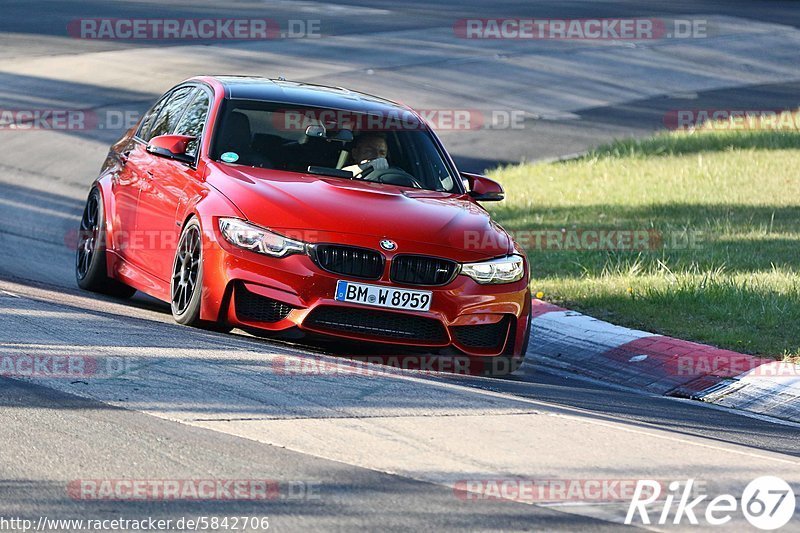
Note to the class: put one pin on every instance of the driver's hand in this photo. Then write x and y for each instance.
(379, 163)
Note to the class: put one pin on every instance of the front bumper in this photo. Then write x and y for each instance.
(249, 290)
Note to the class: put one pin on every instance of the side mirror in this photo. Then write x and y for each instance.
(171, 147)
(482, 188)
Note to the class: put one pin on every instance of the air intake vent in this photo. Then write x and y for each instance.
(380, 324)
(252, 307)
(482, 336)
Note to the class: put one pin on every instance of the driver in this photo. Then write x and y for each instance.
(369, 150)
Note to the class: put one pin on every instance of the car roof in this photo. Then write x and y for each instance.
(305, 94)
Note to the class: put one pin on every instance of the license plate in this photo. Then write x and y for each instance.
(347, 291)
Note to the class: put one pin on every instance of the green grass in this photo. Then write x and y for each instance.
(736, 193)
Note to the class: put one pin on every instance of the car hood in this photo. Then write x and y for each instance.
(323, 207)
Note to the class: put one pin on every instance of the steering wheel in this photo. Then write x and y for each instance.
(391, 176)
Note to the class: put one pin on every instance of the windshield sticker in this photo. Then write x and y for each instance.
(230, 157)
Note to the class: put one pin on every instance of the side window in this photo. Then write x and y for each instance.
(147, 121)
(170, 113)
(193, 121)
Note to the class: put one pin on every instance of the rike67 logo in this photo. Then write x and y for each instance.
(767, 502)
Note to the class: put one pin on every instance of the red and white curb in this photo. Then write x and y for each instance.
(583, 345)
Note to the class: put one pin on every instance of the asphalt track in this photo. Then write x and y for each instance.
(382, 450)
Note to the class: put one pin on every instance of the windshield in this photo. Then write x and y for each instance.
(270, 135)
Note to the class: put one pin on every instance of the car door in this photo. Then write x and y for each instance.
(126, 184)
(163, 186)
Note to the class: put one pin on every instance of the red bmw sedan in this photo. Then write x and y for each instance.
(293, 209)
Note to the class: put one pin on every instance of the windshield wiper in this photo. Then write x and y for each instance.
(329, 171)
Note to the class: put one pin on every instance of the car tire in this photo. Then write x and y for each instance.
(186, 283)
(90, 254)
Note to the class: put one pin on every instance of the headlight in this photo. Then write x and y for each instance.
(257, 239)
(503, 270)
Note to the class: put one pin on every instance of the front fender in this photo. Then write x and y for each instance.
(207, 204)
